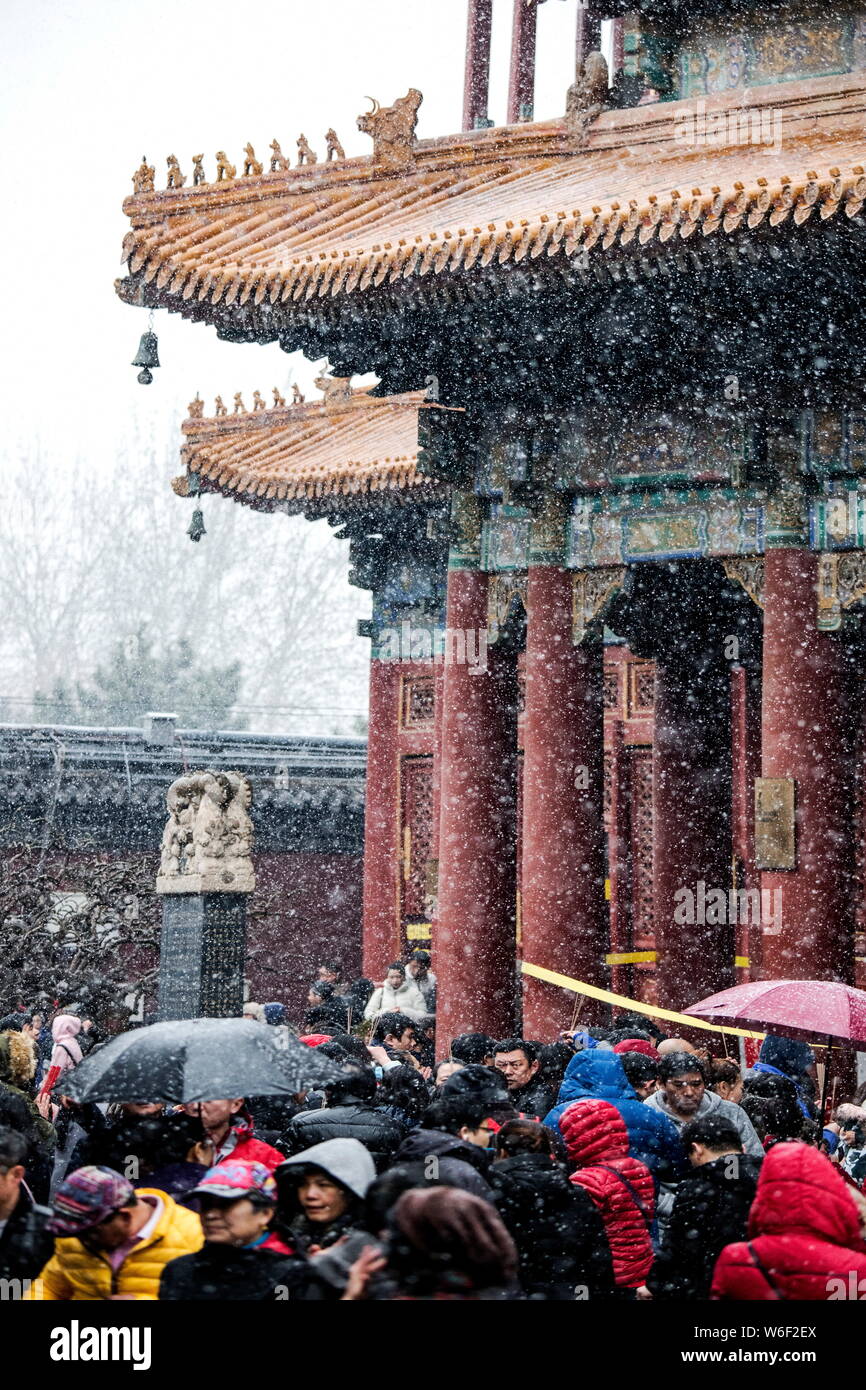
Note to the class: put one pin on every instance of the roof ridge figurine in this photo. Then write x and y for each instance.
(142, 179)
(198, 170)
(278, 399)
(298, 396)
(305, 154)
(225, 170)
(252, 166)
(334, 388)
(279, 162)
(586, 97)
(175, 178)
(335, 149)
(392, 129)
(196, 408)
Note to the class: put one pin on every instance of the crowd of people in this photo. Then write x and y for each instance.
(607, 1164)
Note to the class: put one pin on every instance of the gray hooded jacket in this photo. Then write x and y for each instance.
(714, 1105)
(344, 1160)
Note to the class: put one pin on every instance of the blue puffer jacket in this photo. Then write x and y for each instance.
(653, 1140)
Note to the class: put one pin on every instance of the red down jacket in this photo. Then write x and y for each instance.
(804, 1229)
(596, 1138)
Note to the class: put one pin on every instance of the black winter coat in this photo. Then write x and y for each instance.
(379, 1132)
(558, 1231)
(535, 1099)
(25, 1245)
(423, 1145)
(710, 1211)
(217, 1272)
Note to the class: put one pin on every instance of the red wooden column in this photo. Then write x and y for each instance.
(521, 79)
(691, 811)
(381, 935)
(588, 36)
(476, 85)
(807, 721)
(565, 926)
(474, 942)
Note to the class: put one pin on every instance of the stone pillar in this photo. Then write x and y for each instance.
(475, 935)
(807, 724)
(381, 932)
(204, 880)
(564, 913)
(476, 83)
(521, 79)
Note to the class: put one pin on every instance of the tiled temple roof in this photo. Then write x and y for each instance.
(310, 456)
(506, 194)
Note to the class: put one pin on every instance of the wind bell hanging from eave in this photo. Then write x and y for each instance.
(147, 355)
(196, 528)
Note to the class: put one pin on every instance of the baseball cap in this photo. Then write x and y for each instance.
(238, 1177)
(88, 1196)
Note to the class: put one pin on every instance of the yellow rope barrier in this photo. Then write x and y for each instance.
(551, 977)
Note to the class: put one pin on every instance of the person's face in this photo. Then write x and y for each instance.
(232, 1221)
(516, 1068)
(481, 1136)
(685, 1093)
(330, 977)
(32, 1030)
(215, 1114)
(110, 1234)
(134, 1107)
(447, 1069)
(321, 1198)
(732, 1092)
(10, 1188)
(646, 1088)
(394, 978)
(404, 1043)
(313, 998)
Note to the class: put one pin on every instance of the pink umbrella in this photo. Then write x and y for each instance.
(810, 1009)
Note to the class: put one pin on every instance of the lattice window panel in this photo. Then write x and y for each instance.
(642, 850)
(418, 704)
(610, 694)
(642, 677)
(416, 834)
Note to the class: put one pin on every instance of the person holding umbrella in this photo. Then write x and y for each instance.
(228, 1127)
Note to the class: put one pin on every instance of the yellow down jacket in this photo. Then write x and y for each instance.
(74, 1274)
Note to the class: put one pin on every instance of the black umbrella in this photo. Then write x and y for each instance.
(196, 1059)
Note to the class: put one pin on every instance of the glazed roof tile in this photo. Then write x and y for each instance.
(507, 194)
(312, 456)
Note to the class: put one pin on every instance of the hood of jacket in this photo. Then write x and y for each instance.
(800, 1193)
(424, 1143)
(594, 1132)
(596, 1075)
(710, 1103)
(344, 1160)
(17, 1059)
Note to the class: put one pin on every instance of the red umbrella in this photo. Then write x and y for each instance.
(810, 1009)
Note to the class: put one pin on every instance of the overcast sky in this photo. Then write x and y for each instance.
(91, 85)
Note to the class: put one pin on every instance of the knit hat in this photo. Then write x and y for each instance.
(238, 1177)
(452, 1227)
(88, 1196)
(638, 1045)
(275, 1014)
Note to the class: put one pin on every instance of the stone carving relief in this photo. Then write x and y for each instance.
(207, 842)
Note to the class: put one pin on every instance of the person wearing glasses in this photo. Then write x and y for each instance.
(683, 1096)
